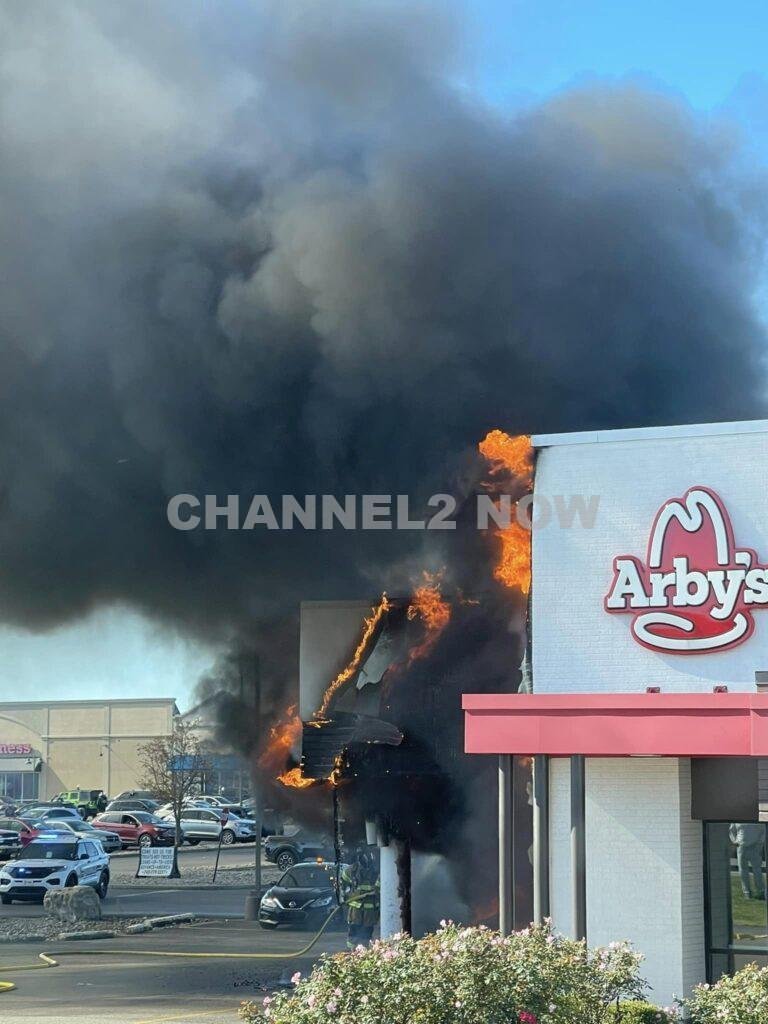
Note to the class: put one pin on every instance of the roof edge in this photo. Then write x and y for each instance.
(651, 433)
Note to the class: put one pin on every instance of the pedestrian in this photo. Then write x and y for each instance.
(362, 899)
(749, 839)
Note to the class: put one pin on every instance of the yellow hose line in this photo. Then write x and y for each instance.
(47, 959)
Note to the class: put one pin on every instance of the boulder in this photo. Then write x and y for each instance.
(80, 903)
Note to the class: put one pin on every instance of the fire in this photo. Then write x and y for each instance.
(369, 627)
(433, 610)
(295, 780)
(512, 455)
(514, 566)
(283, 737)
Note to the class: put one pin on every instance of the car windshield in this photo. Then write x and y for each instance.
(308, 877)
(50, 851)
(148, 819)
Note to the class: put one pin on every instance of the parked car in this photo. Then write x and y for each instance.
(110, 840)
(148, 806)
(139, 828)
(52, 812)
(10, 844)
(89, 802)
(136, 794)
(48, 864)
(199, 823)
(287, 851)
(304, 897)
(28, 829)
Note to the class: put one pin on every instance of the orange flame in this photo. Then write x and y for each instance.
(509, 454)
(512, 455)
(369, 626)
(283, 737)
(433, 610)
(295, 780)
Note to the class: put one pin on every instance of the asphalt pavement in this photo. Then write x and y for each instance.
(92, 986)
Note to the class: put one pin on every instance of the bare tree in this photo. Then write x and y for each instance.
(173, 769)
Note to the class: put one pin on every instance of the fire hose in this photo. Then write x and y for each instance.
(48, 959)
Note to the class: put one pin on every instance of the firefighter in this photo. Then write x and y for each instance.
(361, 881)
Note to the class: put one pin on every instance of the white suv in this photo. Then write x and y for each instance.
(52, 863)
(198, 823)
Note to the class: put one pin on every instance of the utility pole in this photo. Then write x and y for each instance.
(253, 900)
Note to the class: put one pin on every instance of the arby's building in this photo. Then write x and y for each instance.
(647, 720)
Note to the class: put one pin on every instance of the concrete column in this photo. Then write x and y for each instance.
(390, 919)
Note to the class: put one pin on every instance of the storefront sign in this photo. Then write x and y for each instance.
(14, 749)
(696, 591)
(155, 862)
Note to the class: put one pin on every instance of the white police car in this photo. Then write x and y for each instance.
(53, 862)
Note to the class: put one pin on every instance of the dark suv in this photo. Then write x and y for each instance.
(286, 851)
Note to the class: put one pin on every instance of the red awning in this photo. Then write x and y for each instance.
(617, 725)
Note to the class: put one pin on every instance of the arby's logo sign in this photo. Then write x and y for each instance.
(696, 591)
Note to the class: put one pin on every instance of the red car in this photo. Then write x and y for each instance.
(29, 828)
(139, 828)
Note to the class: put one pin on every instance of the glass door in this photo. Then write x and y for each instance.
(735, 896)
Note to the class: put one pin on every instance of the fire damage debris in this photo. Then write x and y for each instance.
(387, 737)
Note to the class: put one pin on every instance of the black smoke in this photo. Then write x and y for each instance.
(285, 248)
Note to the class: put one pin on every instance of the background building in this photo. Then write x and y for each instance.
(46, 747)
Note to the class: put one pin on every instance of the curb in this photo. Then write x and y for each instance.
(78, 936)
(162, 922)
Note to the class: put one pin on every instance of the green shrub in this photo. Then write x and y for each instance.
(634, 1012)
(461, 976)
(742, 999)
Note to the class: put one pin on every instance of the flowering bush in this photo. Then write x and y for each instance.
(641, 1013)
(460, 976)
(742, 999)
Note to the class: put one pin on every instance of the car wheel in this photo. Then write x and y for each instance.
(286, 859)
(5, 900)
(227, 837)
(71, 882)
(145, 840)
(269, 925)
(103, 885)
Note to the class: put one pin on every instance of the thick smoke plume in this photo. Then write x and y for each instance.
(283, 248)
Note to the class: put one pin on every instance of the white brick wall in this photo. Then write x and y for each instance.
(577, 646)
(644, 872)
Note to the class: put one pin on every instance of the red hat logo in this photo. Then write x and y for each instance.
(696, 592)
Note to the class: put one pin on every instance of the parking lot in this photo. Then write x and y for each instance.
(99, 978)
(90, 985)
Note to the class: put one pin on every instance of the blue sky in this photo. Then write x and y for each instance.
(711, 54)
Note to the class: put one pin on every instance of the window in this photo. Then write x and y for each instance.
(735, 896)
(307, 877)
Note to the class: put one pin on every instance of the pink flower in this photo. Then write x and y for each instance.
(527, 1018)
(331, 1006)
(296, 978)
